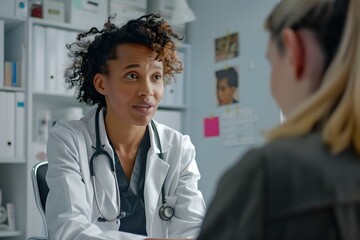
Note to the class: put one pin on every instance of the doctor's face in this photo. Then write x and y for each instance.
(134, 85)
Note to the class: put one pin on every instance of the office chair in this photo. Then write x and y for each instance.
(41, 190)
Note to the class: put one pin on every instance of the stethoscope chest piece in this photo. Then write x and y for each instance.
(166, 212)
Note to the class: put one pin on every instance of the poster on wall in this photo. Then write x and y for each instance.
(227, 47)
(227, 86)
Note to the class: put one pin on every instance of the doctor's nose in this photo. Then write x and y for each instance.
(146, 90)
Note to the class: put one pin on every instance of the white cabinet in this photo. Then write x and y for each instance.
(31, 42)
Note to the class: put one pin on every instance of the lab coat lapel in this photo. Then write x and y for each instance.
(156, 171)
(105, 182)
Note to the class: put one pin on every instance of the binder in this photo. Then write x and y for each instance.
(11, 76)
(7, 74)
(10, 216)
(70, 37)
(180, 82)
(50, 63)
(19, 124)
(174, 92)
(61, 53)
(2, 34)
(169, 95)
(7, 124)
(14, 74)
(39, 58)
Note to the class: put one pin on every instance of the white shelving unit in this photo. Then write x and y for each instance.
(15, 178)
(13, 170)
(39, 100)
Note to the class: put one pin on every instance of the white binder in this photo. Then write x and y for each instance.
(169, 95)
(19, 124)
(39, 58)
(174, 93)
(50, 63)
(7, 124)
(70, 37)
(179, 85)
(61, 53)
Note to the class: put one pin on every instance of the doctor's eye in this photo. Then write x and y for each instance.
(131, 76)
(158, 77)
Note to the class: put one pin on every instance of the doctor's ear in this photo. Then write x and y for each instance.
(98, 82)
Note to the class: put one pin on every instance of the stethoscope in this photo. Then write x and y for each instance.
(165, 212)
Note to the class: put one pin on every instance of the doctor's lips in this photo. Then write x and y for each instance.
(145, 107)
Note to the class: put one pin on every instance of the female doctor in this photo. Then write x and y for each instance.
(116, 173)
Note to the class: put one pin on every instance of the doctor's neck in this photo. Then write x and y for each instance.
(124, 136)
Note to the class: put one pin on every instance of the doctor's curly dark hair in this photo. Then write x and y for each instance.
(90, 53)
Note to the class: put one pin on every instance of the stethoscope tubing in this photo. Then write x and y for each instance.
(165, 212)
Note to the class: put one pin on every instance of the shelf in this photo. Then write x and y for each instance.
(56, 99)
(11, 22)
(172, 107)
(12, 89)
(12, 160)
(62, 25)
(9, 233)
(52, 94)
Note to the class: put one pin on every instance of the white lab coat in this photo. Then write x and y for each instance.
(71, 210)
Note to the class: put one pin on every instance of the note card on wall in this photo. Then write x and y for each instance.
(211, 127)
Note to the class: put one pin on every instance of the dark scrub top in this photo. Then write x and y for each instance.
(132, 194)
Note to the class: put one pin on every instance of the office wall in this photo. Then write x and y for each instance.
(215, 19)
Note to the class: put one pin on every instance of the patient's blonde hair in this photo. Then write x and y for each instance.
(335, 107)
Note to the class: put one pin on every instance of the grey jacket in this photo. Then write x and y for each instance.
(289, 189)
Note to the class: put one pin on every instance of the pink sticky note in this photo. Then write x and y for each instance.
(211, 127)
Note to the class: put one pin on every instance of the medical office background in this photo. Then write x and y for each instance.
(221, 134)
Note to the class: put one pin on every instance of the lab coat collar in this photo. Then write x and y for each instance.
(89, 118)
(158, 167)
(165, 143)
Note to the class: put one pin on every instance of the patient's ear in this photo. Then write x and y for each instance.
(294, 50)
(99, 83)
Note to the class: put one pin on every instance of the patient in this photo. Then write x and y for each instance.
(305, 183)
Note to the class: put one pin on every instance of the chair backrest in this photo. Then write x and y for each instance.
(41, 189)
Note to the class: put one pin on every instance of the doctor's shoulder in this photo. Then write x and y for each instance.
(181, 152)
(76, 127)
(68, 130)
(171, 135)
(175, 138)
